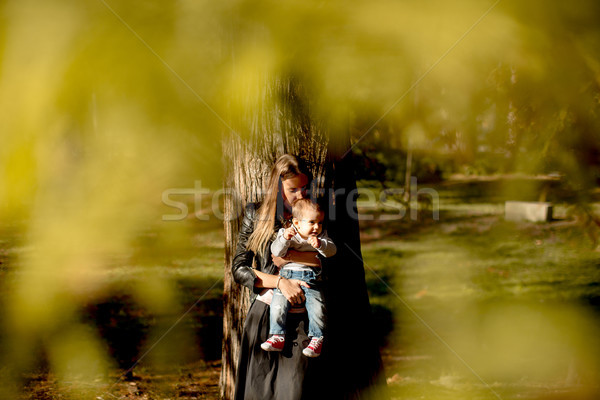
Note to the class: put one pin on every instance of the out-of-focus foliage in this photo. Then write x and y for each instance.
(526, 100)
(104, 105)
(94, 128)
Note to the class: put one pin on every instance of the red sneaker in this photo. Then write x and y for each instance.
(314, 347)
(274, 343)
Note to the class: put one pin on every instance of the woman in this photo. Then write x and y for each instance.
(272, 375)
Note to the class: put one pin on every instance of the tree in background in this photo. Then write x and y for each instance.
(105, 105)
(277, 119)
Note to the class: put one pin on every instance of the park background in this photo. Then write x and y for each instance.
(111, 111)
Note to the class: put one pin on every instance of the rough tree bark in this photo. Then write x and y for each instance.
(281, 124)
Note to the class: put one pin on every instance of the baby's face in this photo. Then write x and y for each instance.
(311, 224)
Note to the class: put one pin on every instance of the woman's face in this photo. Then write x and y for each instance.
(294, 188)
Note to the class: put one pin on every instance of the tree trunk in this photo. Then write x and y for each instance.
(280, 124)
(408, 175)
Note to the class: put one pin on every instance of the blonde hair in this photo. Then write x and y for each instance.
(286, 167)
(301, 206)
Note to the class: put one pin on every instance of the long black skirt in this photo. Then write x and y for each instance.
(285, 375)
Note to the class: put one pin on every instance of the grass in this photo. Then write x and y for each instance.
(482, 308)
(160, 304)
(468, 306)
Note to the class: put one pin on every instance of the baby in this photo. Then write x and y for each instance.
(305, 234)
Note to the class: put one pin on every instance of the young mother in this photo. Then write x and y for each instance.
(350, 366)
(272, 375)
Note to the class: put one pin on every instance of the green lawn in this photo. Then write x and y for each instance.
(482, 308)
(467, 307)
(159, 304)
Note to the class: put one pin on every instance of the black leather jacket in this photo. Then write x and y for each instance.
(242, 261)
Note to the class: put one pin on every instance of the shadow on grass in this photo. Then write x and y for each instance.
(192, 332)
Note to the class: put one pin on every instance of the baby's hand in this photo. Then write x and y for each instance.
(314, 242)
(289, 233)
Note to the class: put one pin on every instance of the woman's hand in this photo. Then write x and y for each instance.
(292, 290)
